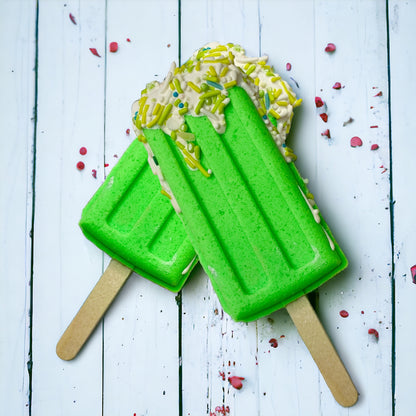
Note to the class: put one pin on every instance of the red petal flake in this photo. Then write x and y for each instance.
(324, 117)
(113, 47)
(80, 165)
(236, 382)
(326, 133)
(356, 142)
(318, 102)
(379, 94)
(83, 151)
(374, 146)
(374, 332)
(128, 40)
(330, 47)
(273, 342)
(288, 66)
(128, 132)
(71, 16)
(95, 52)
(94, 173)
(413, 271)
(344, 314)
(337, 86)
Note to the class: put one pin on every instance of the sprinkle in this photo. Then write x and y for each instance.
(220, 99)
(326, 133)
(374, 146)
(318, 102)
(173, 135)
(296, 83)
(165, 113)
(83, 151)
(413, 271)
(199, 106)
(267, 101)
(209, 94)
(194, 87)
(197, 152)
(236, 382)
(128, 40)
(177, 102)
(297, 103)
(141, 138)
(337, 86)
(212, 71)
(80, 165)
(373, 127)
(106, 165)
(113, 47)
(157, 116)
(142, 102)
(324, 117)
(374, 332)
(230, 84)
(189, 137)
(330, 47)
(175, 94)
(198, 66)
(273, 342)
(282, 103)
(156, 109)
(379, 94)
(356, 141)
(155, 160)
(94, 174)
(224, 71)
(163, 192)
(181, 105)
(251, 69)
(177, 85)
(292, 98)
(288, 66)
(95, 52)
(128, 132)
(344, 314)
(183, 111)
(215, 85)
(71, 16)
(146, 108)
(274, 114)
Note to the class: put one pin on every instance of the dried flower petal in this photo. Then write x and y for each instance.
(236, 382)
(318, 102)
(337, 86)
(83, 151)
(356, 141)
(71, 16)
(374, 332)
(324, 117)
(288, 66)
(326, 133)
(95, 52)
(344, 313)
(113, 47)
(374, 146)
(330, 47)
(80, 165)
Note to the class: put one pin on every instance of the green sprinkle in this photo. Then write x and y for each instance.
(165, 113)
(189, 137)
(184, 127)
(177, 85)
(230, 84)
(194, 87)
(183, 111)
(173, 135)
(251, 69)
(197, 152)
(209, 94)
(177, 102)
(204, 87)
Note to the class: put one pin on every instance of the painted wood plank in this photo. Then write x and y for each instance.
(18, 24)
(352, 191)
(402, 66)
(66, 265)
(141, 340)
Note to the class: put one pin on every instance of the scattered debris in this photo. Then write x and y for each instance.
(374, 332)
(326, 133)
(356, 141)
(344, 314)
(374, 146)
(72, 17)
(95, 52)
(83, 151)
(413, 271)
(80, 165)
(349, 121)
(236, 382)
(330, 48)
(288, 66)
(113, 47)
(337, 86)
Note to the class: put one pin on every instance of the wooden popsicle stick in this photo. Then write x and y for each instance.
(322, 351)
(92, 310)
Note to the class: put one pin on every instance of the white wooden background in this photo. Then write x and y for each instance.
(156, 354)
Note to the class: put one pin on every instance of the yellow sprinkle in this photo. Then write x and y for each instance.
(190, 163)
(142, 102)
(180, 145)
(213, 79)
(196, 163)
(297, 103)
(214, 61)
(212, 71)
(282, 103)
(141, 138)
(183, 111)
(194, 87)
(292, 98)
(197, 152)
(189, 137)
(271, 96)
(173, 135)
(156, 109)
(263, 106)
(209, 94)
(212, 54)
(157, 117)
(199, 106)
(246, 66)
(220, 99)
(262, 63)
(231, 56)
(163, 192)
(198, 66)
(261, 111)
(274, 79)
(257, 81)
(221, 108)
(224, 71)
(190, 147)
(171, 86)
(274, 114)
(177, 102)
(143, 91)
(146, 108)
(165, 113)
(277, 93)
(177, 71)
(230, 84)
(177, 85)
(251, 69)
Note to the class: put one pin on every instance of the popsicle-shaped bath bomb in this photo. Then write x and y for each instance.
(132, 220)
(134, 223)
(248, 214)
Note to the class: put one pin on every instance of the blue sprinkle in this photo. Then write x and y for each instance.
(265, 117)
(180, 105)
(267, 100)
(175, 94)
(284, 145)
(215, 85)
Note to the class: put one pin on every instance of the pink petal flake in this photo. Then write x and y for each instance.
(374, 146)
(326, 133)
(236, 382)
(72, 17)
(330, 48)
(356, 142)
(273, 342)
(83, 151)
(80, 165)
(288, 66)
(337, 86)
(413, 271)
(113, 47)
(94, 174)
(374, 332)
(379, 94)
(95, 52)
(344, 314)
(324, 117)
(318, 102)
